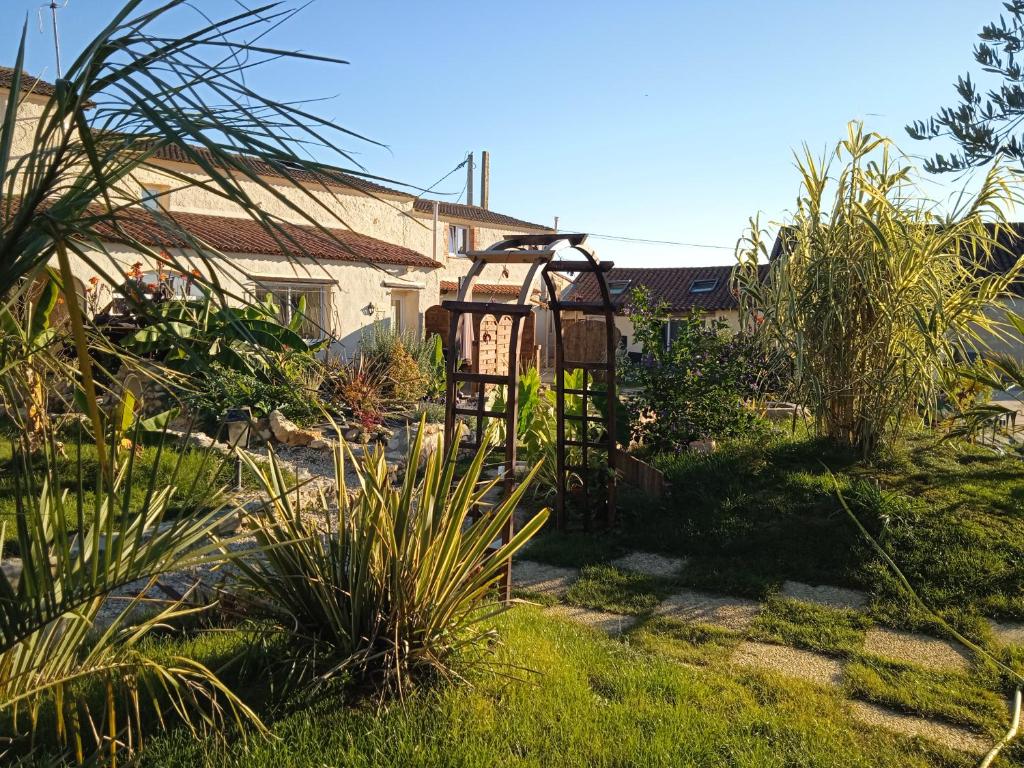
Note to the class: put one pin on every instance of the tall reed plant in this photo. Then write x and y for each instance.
(876, 292)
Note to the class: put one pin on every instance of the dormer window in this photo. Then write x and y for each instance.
(458, 240)
(154, 197)
(617, 287)
(703, 286)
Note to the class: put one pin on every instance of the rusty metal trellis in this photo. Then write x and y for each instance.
(539, 251)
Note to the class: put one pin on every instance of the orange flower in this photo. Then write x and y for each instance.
(94, 281)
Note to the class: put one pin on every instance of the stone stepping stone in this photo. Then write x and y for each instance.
(1008, 634)
(792, 662)
(925, 651)
(733, 613)
(611, 623)
(650, 564)
(830, 597)
(542, 579)
(949, 736)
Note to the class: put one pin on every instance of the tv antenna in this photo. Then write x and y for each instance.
(54, 6)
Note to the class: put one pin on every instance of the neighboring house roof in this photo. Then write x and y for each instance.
(29, 84)
(473, 213)
(238, 235)
(1010, 249)
(495, 289)
(683, 289)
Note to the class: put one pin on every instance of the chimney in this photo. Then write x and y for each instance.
(485, 179)
(469, 180)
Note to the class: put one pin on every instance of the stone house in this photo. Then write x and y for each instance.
(395, 259)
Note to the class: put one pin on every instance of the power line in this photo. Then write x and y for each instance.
(648, 241)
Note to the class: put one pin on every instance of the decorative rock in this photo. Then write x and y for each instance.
(650, 564)
(830, 597)
(11, 569)
(948, 736)
(287, 432)
(732, 613)
(911, 648)
(542, 579)
(792, 662)
(703, 446)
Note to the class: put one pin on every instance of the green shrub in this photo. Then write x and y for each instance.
(228, 388)
(691, 389)
(395, 583)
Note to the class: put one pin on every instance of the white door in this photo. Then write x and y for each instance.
(396, 315)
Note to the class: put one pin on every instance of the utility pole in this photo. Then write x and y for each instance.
(469, 180)
(56, 36)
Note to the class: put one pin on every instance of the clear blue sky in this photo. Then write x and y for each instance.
(670, 120)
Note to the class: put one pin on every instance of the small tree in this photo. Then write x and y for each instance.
(875, 295)
(691, 388)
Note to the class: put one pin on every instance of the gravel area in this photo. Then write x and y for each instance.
(732, 613)
(925, 651)
(612, 623)
(830, 597)
(542, 579)
(948, 736)
(650, 564)
(1008, 634)
(792, 662)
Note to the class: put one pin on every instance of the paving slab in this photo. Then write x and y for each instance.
(948, 736)
(912, 648)
(612, 623)
(1008, 633)
(823, 594)
(792, 662)
(650, 564)
(733, 613)
(541, 578)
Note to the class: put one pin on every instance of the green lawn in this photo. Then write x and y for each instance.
(761, 511)
(575, 698)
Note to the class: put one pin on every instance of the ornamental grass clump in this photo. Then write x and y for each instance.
(876, 294)
(392, 584)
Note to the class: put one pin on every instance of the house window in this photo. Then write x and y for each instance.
(617, 287)
(154, 197)
(703, 286)
(458, 240)
(288, 297)
(396, 315)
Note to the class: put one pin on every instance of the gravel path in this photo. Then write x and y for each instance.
(830, 597)
(792, 662)
(928, 652)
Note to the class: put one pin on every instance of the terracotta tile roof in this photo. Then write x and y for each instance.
(669, 284)
(29, 84)
(474, 213)
(176, 153)
(495, 289)
(239, 235)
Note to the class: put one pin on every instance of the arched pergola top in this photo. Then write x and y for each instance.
(546, 255)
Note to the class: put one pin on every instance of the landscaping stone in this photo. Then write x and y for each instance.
(792, 662)
(287, 432)
(948, 736)
(732, 613)
(925, 651)
(650, 564)
(11, 569)
(1008, 634)
(542, 579)
(830, 597)
(703, 446)
(612, 623)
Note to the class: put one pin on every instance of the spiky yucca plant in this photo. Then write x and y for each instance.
(61, 667)
(397, 580)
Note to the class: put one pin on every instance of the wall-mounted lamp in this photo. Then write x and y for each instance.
(370, 310)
